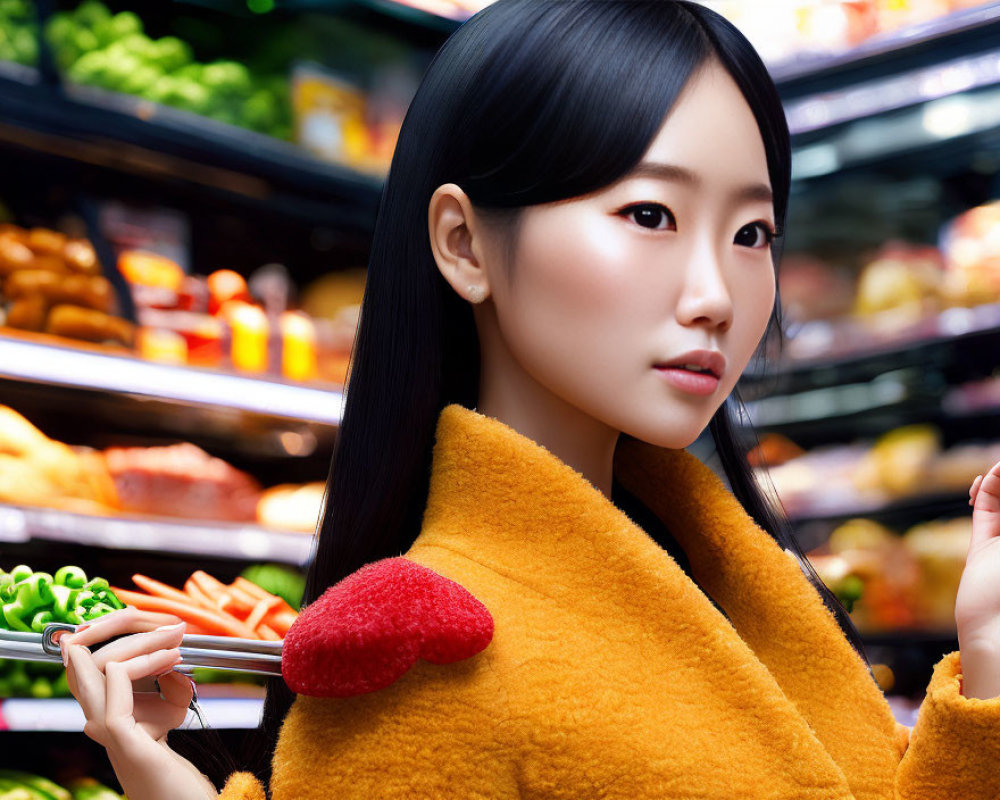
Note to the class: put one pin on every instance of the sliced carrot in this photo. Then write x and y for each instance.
(215, 589)
(242, 596)
(192, 590)
(261, 610)
(190, 627)
(280, 621)
(215, 621)
(251, 588)
(268, 634)
(154, 587)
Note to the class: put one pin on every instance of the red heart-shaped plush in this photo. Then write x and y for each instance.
(365, 632)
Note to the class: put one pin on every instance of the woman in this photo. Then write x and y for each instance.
(573, 263)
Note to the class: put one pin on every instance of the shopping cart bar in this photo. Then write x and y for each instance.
(214, 652)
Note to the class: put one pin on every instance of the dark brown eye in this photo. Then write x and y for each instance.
(755, 235)
(652, 216)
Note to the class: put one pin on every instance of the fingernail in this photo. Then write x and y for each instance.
(169, 627)
(62, 651)
(83, 627)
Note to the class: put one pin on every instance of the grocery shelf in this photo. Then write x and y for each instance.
(229, 540)
(935, 83)
(376, 13)
(958, 340)
(26, 714)
(77, 368)
(136, 136)
(895, 513)
(938, 40)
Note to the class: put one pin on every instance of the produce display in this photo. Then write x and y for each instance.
(18, 32)
(896, 582)
(794, 29)
(208, 606)
(179, 481)
(53, 284)
(31, 600)
(97, 48)
(901, 293)
(907, 462)
(20, 785)
(38, 471)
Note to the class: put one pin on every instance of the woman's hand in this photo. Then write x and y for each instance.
(977, 606)
(131, 726)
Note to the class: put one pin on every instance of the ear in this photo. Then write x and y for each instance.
(458, 242)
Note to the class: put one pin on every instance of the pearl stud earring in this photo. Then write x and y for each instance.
(476, 293)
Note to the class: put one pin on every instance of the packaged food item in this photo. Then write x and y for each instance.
(181, 480)
(291, 507)
(36, 470)
(89, 325)
(329, 115)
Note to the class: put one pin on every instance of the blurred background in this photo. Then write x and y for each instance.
(187, 194)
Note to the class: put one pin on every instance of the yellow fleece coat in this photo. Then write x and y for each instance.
(611, 674)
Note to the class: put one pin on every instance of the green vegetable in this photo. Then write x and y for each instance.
(31, 600)
(91, 13)
(849, 590)
(40, 620)
(278, 579)
(171, 54)
(227, 76)
(73, 577)
(113, 29)
(38, 783)
(89, 789)
(13, 790)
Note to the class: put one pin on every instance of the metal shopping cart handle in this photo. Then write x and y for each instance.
(216, 652)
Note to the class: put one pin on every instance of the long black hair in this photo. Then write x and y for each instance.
(528, 102)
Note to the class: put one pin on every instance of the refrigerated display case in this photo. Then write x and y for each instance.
(893, 140)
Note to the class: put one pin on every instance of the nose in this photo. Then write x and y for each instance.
(705, 297)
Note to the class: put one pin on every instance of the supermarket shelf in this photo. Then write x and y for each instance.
(136, 136)
(229, 540)
(958, 341)
(955, 34)
(899, 513)
(72, 368)
(23, 714)
(377, 13)
(878, 97)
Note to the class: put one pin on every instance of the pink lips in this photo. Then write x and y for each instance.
(703, 380)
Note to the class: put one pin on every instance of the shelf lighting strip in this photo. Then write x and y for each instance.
(878, 97)
(109, 373)
(28, 714)
(219, 539)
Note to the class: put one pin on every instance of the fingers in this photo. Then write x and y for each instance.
(127, 620)
(176, 689)
(138, 644)
(974, 491)
(86, 682)
(126, 735)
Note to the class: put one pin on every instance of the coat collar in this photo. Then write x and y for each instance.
(503, 500)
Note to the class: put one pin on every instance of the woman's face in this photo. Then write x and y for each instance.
(614, 297)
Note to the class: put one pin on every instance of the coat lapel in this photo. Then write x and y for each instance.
(774, 608)
(509, 504)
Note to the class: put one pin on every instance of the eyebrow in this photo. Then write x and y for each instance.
(676, 174)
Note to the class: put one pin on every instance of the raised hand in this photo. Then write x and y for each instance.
(977, 606)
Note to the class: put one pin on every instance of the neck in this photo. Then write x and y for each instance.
(517, 400)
